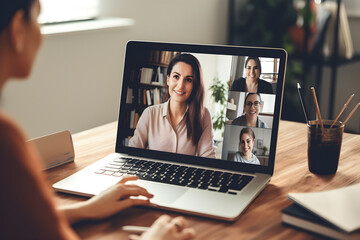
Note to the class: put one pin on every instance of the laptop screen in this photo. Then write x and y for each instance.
(210, 105)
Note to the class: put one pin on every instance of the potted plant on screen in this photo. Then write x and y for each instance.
(219, 91)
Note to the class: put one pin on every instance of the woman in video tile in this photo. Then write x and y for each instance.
(252, 82)
(247, 139)
(182, 124)
(252, 106)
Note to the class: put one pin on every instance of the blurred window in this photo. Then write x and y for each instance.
(58, 11)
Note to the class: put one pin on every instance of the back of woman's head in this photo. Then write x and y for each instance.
(8, 8)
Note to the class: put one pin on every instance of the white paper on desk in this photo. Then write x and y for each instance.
(340, 207)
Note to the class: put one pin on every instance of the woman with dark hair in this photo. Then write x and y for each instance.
(247, 139)
(252, 82)
(252, 107)
(182, 124)
(27, 207)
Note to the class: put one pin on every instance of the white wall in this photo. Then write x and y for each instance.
(76, 80)
(199, 21)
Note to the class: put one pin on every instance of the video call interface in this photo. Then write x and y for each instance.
(239, 102)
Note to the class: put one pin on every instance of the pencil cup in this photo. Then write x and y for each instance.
(324, 146)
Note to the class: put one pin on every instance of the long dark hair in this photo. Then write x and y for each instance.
(8, 8)
(257, 61)
(196, 99)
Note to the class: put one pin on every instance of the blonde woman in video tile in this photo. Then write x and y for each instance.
(182, 124)
(247, 139)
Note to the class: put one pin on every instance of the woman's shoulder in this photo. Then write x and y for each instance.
(238, 84)
(9, 130)
(206, 112)
(255, 160)
(262, 124)
(238, 157)
(206, 115)
(265, 87)
(13, 142)
(239, 120)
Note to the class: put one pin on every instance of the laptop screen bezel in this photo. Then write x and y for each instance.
(134, 47)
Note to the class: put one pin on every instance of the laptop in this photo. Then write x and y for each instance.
(219, 182)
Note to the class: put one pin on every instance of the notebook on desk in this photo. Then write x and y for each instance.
(215, 177)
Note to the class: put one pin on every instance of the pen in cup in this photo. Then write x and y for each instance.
(352, 112)
(302, 103)
(317, 108)
(342, 110)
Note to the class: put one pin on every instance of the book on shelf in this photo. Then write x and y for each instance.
(166, 57)
(129, 96)
(299, 217)
(148, 97)
(346, 48)
(136, 119)
(339, 207)
(144, 97)
(132, 119)
(159, 78)
(146, 75)
(161, 57)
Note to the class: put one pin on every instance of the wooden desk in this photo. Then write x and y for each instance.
(262, 220)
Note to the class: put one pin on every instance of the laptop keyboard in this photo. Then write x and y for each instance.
(192, 177)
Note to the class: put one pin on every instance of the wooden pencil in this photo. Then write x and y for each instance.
(317, 108)
(352, 112)
(342, 110)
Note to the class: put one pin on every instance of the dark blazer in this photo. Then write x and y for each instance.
(263, 86)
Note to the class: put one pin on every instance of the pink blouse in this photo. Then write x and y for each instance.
(154, 131)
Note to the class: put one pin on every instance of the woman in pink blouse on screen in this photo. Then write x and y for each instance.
(182, 124)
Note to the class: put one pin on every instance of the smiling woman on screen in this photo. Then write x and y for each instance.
(247, 140)
(252, 106)
(252, 81)
(182, 124)
(27, 206)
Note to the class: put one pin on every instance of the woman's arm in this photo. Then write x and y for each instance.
(27, 209)
(108, 202)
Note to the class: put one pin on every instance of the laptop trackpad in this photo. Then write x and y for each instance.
(164, 194)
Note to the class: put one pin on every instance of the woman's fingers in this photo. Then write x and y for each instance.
(166, 228)
(128, 178)
(134, 237)
(132, 202)
(179, 223)
(133, 190)
(163, 219)
(187, 234)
